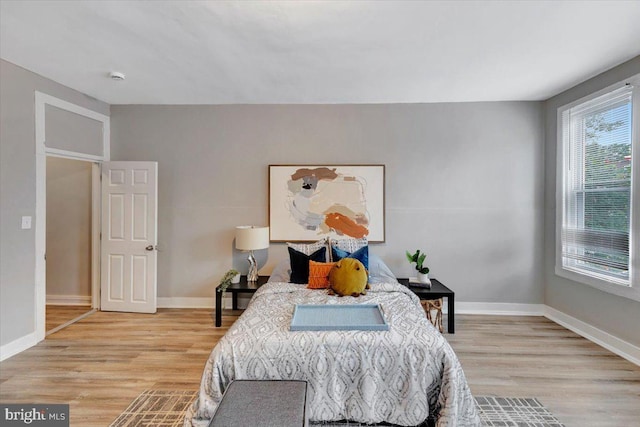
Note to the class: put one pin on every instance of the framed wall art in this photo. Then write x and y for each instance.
(308, 202)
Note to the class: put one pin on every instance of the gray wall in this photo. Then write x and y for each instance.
(464, 181)
(18, 192)
(615, 315)
(68, 227)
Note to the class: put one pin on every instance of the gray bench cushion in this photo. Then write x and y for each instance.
(262, 403)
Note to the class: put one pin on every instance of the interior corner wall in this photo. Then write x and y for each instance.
(464, 182)
(612, 314)
(18, 192)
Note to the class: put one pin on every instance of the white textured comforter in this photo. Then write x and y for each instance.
(400, 376)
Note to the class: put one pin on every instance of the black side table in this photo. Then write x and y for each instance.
(243, 287)
(437, 290)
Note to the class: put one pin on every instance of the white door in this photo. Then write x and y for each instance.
(129, 236)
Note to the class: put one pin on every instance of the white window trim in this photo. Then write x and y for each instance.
(633, 291)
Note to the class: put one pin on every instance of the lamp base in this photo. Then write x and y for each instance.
(252, 276)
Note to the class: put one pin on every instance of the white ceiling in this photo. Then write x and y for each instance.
(188, 52)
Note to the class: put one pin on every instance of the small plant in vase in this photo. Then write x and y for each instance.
(226, 280)
(418, 258)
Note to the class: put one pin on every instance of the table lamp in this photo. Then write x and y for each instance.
(251, 238)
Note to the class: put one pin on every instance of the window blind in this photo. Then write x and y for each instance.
(596, 220)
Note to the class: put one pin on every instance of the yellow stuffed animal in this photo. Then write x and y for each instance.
(348, 277)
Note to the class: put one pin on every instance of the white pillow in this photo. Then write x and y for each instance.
(349, 245)
(379, 272)
(308, 248)
(282, 272)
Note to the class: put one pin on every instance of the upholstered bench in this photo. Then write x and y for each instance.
(262, 403)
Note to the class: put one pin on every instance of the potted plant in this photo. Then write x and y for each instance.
(227, 279)
(423, 271)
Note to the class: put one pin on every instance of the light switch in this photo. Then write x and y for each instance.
(26, 222)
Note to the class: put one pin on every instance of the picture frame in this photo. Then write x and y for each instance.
(309, 202)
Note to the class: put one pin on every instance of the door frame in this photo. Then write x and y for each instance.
(42, 151)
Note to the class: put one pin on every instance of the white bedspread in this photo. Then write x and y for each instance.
(400, 376)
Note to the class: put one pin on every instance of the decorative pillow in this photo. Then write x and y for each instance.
(308, 248)
(300, 264)
(281, 272)
(361, 255)
(348, 277)
(349, 245)
(379, 272)
(319, 274)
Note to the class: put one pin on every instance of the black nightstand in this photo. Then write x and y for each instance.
(437, 290)
(243, 287)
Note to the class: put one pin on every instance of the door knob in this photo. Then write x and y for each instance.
(149, 248)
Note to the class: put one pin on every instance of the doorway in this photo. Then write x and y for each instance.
(69, 131)
(69, 241)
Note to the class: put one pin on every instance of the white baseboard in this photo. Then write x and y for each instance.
(604, 339)
(186, 302)
(68, 300)
(18, 346)
(498, 308)
(487, 308)
(192, 302)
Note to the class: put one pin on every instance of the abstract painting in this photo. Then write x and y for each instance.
(309, 202)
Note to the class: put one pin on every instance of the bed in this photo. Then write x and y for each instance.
(406, 376)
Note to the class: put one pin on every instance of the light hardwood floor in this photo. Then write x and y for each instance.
(58, 315)
(100, 364)
(580, 382)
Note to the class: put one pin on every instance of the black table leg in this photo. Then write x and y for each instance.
(218, 309)
(451, 315)
(234, 296)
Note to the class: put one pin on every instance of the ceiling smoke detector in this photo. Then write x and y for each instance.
(115, 75)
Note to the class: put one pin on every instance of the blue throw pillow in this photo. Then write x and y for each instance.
(361, 255)
(300, 264)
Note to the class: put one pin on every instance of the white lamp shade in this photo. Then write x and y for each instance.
(251, 238)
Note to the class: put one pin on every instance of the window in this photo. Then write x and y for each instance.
(596, 217)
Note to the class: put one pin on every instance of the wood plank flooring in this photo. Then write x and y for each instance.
(101, 363)
(58, 315)
(580, 382)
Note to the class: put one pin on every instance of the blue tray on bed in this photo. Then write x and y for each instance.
(334, 317)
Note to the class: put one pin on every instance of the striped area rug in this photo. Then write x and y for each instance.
(156, 408)
(514, 411)
(163, 408)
